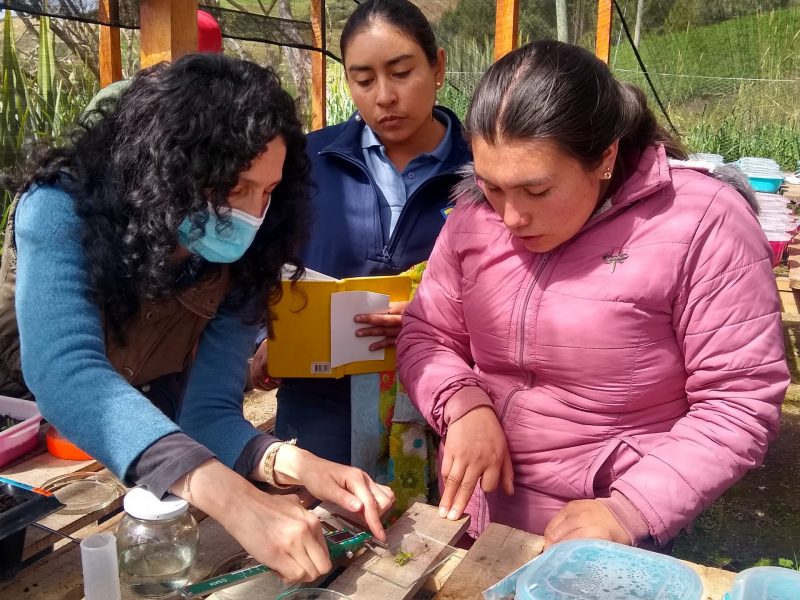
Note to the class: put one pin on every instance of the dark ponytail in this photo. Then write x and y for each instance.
(639, 125)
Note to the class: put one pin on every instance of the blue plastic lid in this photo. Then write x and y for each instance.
(592, 569)
(767, 583)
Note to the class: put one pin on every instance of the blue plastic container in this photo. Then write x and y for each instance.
(765, 184)
(596, 569)
(766, 583)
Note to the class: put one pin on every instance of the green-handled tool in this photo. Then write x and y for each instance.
(342, 543)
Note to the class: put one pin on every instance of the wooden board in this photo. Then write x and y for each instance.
(789, 297)
(358, 584)
(497, 552)
(715, 581)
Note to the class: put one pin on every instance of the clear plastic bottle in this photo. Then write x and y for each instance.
(156, 543)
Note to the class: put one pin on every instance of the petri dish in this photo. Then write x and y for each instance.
(84, 492)
(415, 557)
(262, 587)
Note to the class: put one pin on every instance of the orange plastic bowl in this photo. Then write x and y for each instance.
(61, 447)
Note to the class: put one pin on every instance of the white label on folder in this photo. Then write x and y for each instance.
(320, 368)
(345, 346)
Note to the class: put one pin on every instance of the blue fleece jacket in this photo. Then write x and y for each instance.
(64, 361)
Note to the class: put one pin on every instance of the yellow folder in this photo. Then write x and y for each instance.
(314, 332)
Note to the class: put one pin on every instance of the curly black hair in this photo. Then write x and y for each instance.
(177, 139)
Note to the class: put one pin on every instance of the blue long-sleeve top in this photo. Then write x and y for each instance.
(62, 346)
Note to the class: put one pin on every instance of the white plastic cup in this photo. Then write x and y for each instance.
(100, 570)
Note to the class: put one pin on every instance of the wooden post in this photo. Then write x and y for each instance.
(602, 45)
(168, 29)
(110, 52)
(506, 27)
(318, 67)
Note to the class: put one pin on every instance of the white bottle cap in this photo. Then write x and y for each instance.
(142, 504)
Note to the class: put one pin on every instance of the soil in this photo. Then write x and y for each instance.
(7, 502)
(259, 406)
(6, 422)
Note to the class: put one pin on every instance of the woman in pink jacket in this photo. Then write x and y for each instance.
(597, 336)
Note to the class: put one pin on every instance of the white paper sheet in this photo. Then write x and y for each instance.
(345, 346)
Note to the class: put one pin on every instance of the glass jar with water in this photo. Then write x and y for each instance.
(156, 543)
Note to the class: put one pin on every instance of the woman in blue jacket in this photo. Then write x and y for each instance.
(144, 253)
(383, 180)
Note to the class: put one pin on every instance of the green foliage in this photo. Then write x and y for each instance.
(40, 107)
(730, 87)
(339, 106)
(710, 60)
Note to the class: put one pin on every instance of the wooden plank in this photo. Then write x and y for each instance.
(358, 584)
(602, 44)
(318, 66)
(168, 30)
(110, 51)
(789, 296)
(506, 27)
(440, 576)
(497, 552)
(715, 581)
(793, 253)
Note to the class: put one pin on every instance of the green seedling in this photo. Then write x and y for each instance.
(402, 558)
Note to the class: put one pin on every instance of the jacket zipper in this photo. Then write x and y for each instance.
(386, 251)
(394, 237)
(520, 336)
(204, 315)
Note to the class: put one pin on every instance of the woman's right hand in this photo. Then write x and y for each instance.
(475, 449)
(258, 370)
(276, 530)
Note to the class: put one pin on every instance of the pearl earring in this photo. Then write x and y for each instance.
(607, 174)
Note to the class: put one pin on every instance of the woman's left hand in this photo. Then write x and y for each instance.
(584, 519)
(348, 487)
(382, 324)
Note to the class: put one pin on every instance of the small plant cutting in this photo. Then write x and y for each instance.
(402, 558)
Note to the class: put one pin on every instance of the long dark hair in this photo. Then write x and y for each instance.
(551, 90)
(400, 14)
(177, 139)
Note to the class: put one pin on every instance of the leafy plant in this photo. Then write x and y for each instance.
(40, 107)
(402, 558)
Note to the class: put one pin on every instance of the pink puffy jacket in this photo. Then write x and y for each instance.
(645, 355)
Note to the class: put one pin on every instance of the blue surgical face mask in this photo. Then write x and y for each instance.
(229, 243)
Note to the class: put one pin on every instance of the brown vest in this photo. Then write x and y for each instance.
(160, 340)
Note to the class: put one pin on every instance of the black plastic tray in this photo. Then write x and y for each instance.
(31, 506)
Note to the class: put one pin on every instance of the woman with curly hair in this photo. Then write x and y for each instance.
(145, 254)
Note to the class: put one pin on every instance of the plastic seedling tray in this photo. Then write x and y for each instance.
(415, 557)
(18, 509)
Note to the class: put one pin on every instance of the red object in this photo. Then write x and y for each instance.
(209, 35)
(61, 447)
(778, 248)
